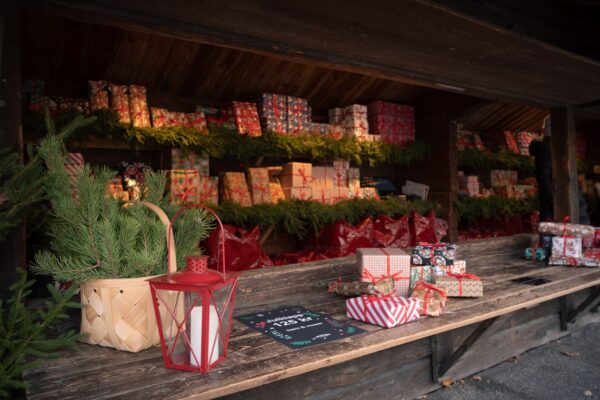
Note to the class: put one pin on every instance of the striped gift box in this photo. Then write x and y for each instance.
(387, 311)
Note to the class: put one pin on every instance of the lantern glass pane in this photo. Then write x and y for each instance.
(224, 305)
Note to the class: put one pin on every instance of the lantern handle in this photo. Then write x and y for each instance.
(222, 239)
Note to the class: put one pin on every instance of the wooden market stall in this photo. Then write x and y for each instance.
(452, 68)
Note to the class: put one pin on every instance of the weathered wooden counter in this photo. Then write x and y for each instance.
(511, 318)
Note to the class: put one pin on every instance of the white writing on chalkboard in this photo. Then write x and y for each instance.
(304, 327)
(269, 321)
(294, 321)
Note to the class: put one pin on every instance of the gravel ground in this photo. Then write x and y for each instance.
(568, 368)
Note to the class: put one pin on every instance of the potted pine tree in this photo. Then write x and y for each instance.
(110, 248)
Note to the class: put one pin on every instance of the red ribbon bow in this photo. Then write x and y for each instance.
(460, 277)
(187, 193)
(370, 298)
(428, 290)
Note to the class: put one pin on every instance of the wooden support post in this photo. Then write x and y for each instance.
(445, 354)
(565, 307)
(13, 248)
(591, 302)
(564, 164)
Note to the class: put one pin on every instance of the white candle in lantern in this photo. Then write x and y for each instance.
(196, 335)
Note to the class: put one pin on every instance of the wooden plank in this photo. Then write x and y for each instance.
(229, 378)
(437, 47)
(564, 164)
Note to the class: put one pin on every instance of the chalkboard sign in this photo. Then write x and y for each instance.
(297, 327)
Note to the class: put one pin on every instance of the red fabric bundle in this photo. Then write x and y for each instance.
(342, 239)
(389, 232)
(423, 228)
(242, 249)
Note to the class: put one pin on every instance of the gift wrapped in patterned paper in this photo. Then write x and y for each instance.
(355, 120)
(98, 95)
(176, 118)
(515, 191)
(138, 106)
(322, 177)
(235, 188)
(119, 102)
(423, 273)
(369, 193)
(276, 190)
(336, 116)
(395, 123)
(197, 120)
(246, 118)
(296, 175)
(468, 140)
(319, 129)
(460, 285)
(510, 142)
(386, 311)
(524, 139)
(181, 159)
(353, 175)
(459, 267)
(299, 193)
(184, 185)
(340, 193)
(502, 177)
(564, 246)
(114, 189)
(335, 131)
(433, 254)
(380, 263)
(575, 262)
(258, 180)
(432, 298)
(208, 192)
(273, 112)
(298, 115)
(469, 183)
(356, 288)
(159, 117)
(324, 195)
(585, 232)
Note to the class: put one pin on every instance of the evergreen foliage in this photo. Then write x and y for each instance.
(478, 161)
(94, 236)
(472, 209)
(26, 336)
(222, 142)
(301, 217)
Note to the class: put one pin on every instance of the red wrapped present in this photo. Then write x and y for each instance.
(235, 188)
(432, 298)
(342, 238)
(510, 142)
(181, 159)
(380, 263)
(422, 228)
(242, 247)
(387, 311)
(524, 139)
(119, 102)
(501, 177)
(159, 117)
(394, 122)
(208, 192)
(138, 106)
(197, 120)
(391, 232)
(183, 186)
(98, 95)
(246, 118)
(258, 180)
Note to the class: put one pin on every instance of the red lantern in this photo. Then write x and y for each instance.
(194, 309)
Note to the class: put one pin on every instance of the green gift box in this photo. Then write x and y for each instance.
(424, 273)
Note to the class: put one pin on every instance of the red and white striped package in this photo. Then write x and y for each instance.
(387, 311)
(73, 165)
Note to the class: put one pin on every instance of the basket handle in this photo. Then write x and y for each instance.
(222, 239)
(171, 251)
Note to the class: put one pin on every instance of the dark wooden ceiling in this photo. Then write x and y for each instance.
(67, 53)
(497, 117)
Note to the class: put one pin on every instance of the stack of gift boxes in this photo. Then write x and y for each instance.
(570, 244)
(189, 180)
(468, 184)
(354, 121)
(395, 287)
(296, 179)
(394, 123)
(466, 140)
(286, 114)
(504, 183)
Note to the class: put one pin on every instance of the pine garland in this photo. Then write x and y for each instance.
(300, 217)
(93, 236)
(221, 142)
(25, 334)
(476, 161)
(471, 209)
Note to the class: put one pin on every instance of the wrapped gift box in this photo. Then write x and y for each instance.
(273, 112)
(322, 177)
(380, 263)
(208, 192)
(369, 193)
(336, 116)
(235, 188)
(566, 247)
(524, 139)
(355, 121)
(415, 189)
(515, 191)
(114, 189)
(461, 285)
(575, 262)
(585, 232)
(424, 273)
(276, 190)
(319, 129)
(394, 122)
(432, 298)
(340, 193)
(501, 177)
(98, 95)
(138, 106)
(246, 118)
(258, 180)
(433, 254)
(298, 115)
(119, 102)
(184, 186)
(353, 175)
(197, 120)
(459, 267)
(296, 175)
(386, 311)
(181, 159)
(159, 117)
(335, 131)
(510, 142)
(323, 195)
(300, 193)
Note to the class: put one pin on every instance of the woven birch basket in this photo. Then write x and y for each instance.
(118, 313)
